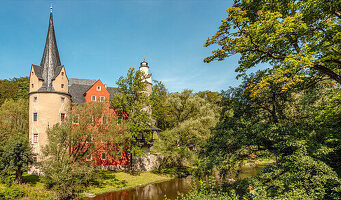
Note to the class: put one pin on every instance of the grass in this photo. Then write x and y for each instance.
(106, 181)
(110, 181)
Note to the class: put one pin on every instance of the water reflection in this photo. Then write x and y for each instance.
(156, 191)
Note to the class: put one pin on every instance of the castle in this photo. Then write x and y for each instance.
(52, 94)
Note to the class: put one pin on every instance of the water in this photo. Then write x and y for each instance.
(158, 191)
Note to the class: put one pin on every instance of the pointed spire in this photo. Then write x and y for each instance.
(50, 60)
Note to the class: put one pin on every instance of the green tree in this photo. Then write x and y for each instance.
(305, 162)
(299, 40)
(15, 150)
(14, 88)
(62, 173)
(89, 129)
(190, 122)
(160, 111)
(132, 101)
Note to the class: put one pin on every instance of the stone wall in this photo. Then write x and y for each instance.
(146, 163)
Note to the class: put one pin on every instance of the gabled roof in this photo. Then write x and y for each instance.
(77, 92)
(78, 88)
(112, 91)
(82, 81)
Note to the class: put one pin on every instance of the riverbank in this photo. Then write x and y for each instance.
(111, 181)
(106, 181)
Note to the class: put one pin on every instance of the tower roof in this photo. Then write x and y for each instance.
(50, 62)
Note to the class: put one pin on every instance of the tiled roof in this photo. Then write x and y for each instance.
(78, 87)
(82, 81)
(112, 91)
(77, 92)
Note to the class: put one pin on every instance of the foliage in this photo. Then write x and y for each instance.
(15, 150)
(82, 134)
(305, 164)
(14, 192)
(208, 190)
(16, 88)
(93, 127)
(61, 172)
(190, 122)
(133, 101)
(160, 110)
(298, 40)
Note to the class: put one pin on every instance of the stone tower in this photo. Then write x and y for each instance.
(149, 82)
(49, 98)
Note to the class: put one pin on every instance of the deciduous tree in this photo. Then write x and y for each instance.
(298, 40)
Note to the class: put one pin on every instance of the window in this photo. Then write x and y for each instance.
(98, 88)
(35, 117)
(102, 99)
(93, 98)
(35, 99)
(104, 120)
(62, 99)
(103, 156)
(34, 158)
(32, 85)
(89, 158)
(62, 116)
(62, 86)
(35, 138)
(62, 73)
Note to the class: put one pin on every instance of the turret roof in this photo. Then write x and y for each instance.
(50, 65)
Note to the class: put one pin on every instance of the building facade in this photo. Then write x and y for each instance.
(52, 95)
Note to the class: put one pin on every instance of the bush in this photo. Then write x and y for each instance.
(208, 190)
(13, 192)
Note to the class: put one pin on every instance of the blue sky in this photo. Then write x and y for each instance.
(103, 39)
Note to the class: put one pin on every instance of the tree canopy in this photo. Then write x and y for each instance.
(298, 40)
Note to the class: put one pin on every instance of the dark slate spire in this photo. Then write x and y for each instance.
(50, 61)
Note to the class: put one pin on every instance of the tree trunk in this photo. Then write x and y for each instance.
(18, 176)
(131, 161)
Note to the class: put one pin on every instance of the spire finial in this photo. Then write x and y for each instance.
(51, 7)
(144, 58)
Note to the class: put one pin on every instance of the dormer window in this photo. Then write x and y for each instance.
(98, 88)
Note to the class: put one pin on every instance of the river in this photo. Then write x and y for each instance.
(158, 191)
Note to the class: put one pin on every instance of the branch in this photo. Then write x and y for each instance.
(328, 72)
(338, 14)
